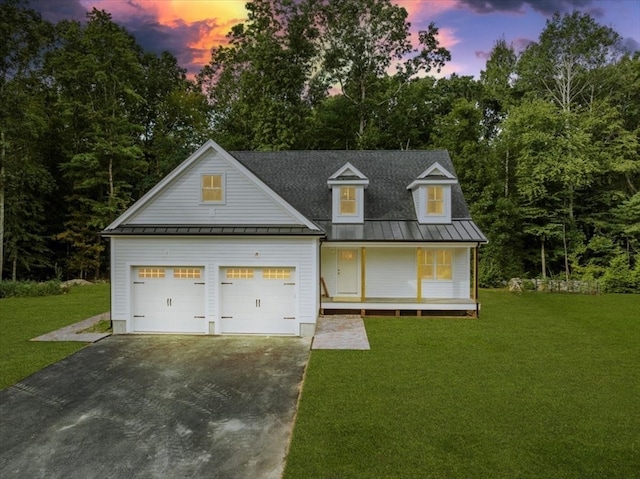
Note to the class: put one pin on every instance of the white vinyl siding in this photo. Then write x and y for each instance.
(390, 273)
(212, 254)
(393, 273)
(244, 202)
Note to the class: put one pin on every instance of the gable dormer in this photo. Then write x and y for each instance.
(432, 195)
(347, 194)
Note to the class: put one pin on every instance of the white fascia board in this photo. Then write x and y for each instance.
(436, 166)
(433, 181)
(331, 183)
(348, 166)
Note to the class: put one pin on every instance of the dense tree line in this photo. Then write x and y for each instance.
(545, 142)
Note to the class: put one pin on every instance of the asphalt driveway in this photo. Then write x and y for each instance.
(156, 407)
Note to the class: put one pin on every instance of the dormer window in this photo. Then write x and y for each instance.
(432, 195)
(435, 200)
(348, 200)
(347, 192)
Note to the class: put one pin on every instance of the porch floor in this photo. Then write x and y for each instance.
(367, 300)
(400, 306)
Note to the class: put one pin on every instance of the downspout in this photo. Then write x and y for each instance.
(475, 278)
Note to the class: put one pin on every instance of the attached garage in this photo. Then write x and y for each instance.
(258, 300)
(168, 299)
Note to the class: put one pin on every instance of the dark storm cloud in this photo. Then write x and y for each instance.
(546, 7)
(56, 10)
(144, 26)
(157, 38)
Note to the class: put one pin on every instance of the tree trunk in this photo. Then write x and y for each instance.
(3, 154)
(544, 260)
(506, 174)
(566, 254)
(14, 268)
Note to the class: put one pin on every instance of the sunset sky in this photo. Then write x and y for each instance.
(468, 28)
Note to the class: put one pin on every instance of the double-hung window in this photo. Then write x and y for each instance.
(347, 200)
(437, 264)
(435, 200)
(213, 188)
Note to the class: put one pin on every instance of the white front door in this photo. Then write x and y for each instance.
(168, 299)
(348, 272)
(258, 300)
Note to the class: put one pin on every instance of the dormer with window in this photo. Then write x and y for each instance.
(432, 195)
(347, 194)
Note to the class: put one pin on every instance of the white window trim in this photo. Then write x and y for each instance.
(223, 181)
(433, 252)
(423, 216)
(358, 216)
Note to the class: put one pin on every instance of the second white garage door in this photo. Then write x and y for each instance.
(258, 300)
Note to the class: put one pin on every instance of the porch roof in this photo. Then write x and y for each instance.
(464, 230)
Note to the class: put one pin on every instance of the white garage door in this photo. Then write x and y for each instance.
(168, 299)
(258, 300)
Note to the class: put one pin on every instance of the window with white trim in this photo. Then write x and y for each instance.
(348, 200)
(212, 188)
(435, 200)
(437, 264)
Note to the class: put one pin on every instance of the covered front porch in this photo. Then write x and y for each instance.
(399, 280)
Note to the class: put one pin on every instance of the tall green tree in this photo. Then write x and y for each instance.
(564, 65)
(94, 71)
(24, 181)
(360, 40)
(259, 85)
(174, 116)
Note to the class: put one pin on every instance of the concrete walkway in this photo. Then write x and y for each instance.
(340, 332)
(72, 332)
(332, 332)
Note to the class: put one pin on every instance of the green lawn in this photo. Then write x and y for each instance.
(24, 318)
(542, 386)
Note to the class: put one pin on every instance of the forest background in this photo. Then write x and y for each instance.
(545, 142)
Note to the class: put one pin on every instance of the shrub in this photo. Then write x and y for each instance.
(24, 289)
(620, 278)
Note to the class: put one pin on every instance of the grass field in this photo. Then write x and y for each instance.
(542, 386)
(24, 318)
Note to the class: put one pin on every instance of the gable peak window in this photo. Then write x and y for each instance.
(212, 188)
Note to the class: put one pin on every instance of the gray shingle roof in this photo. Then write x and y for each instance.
(300, 177)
